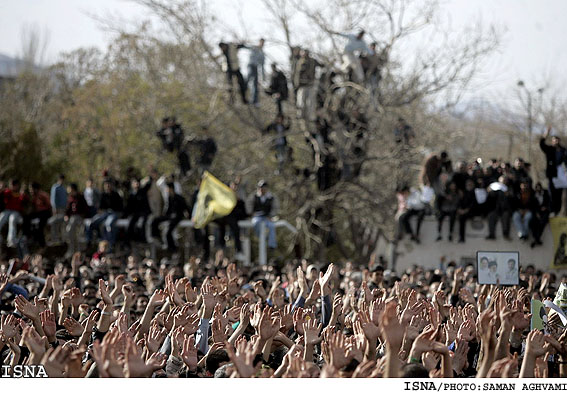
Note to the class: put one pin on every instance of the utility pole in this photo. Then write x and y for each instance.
(530, 114)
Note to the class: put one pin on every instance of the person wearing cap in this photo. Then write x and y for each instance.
(351, 61)
(262, 206)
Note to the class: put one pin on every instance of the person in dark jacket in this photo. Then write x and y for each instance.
(278, 88)
(525, 205)
(279, 128)
(231, 220)
(447, 203)
(137, 207)
(172, 136)
(176, 209)
(555, 156)
(540, 214)
(501, 200)
(263, 205)
(468, 207)
(40, 209)
(111, 207)
(77, 209)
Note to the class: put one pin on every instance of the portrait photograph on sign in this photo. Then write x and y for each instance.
(498, 268)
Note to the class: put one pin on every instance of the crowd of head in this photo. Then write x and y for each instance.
(152, 208)
(123, 315)
(108, 317)
(497, 190)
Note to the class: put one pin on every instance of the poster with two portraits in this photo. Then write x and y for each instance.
(501, 268)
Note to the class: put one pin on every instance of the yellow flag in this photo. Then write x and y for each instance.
(214, 201)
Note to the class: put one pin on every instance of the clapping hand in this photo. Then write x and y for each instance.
(73, 327)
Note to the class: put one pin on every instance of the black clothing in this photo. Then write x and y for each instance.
(263, 208)
(111, 201)
(176, 208)
(138, 208)
(278, 85)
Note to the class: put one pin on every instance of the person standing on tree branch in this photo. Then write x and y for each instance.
(255, 66)
(232, 68)
(350, 59)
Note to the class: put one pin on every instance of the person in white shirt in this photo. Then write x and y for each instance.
(354, 44)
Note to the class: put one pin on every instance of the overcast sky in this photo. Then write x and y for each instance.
(533, 48)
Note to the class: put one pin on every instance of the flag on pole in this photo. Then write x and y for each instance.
(214, 201)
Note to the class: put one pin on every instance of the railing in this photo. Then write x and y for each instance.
(185, 225)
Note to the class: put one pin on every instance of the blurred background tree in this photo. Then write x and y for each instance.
(95, 111)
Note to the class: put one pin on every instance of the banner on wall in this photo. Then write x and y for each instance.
(559, 233)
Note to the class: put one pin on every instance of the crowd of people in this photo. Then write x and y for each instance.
(153, 206)
(314, 82)
(113, 317)
(122, 314)
(497, 191)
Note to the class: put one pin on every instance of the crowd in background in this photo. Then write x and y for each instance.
(153, 207)
(498, 191)
(122, 315)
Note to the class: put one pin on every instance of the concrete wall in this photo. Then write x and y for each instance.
(429, 252)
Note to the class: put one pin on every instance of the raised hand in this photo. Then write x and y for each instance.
(467, 331)
(423, 343)
(466, 295)
(325, 280)
(171, 291)
(155, 337)
(54, 362)
(3, 282)
(503, 368)
(218, 332)
(104, 294)
(302, 283)
(128, 293)
(311, 332)
(158, 298)
(243, 358)
(376, 310)
(256, 315)
(73, 327)
(189, 352)
(259, 290)
(338, 350)
(75, 367)
(286, 317)
(245, 314)
(48, 323)
(535, 342)
(391, 328)
(27, 309)
(76, 298)
(371, 331)
(209, 300)
(268, 326)
(190, 293)
(460, 355)
(8, 326)
(134, 365)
